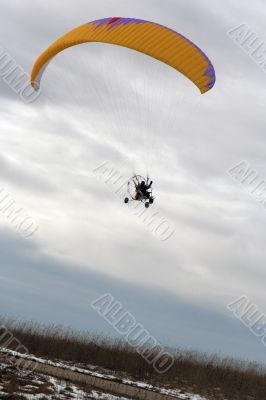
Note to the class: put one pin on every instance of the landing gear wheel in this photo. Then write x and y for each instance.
(126, 200)
(151, 201)
(147, 205)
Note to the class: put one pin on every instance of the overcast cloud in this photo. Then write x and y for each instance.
(101, 103)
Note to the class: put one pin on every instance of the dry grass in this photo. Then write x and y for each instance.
(199, 373)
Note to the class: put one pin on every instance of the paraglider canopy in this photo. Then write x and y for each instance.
(150, 38)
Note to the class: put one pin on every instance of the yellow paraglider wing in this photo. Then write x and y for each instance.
(146, 37)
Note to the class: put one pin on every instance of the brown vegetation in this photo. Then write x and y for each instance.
(198, 373)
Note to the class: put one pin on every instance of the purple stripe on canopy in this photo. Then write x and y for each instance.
(210, 72)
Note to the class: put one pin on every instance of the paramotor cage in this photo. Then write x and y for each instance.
(135, 193)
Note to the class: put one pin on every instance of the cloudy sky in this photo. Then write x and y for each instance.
(102, 103)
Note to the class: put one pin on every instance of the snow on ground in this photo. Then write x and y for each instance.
(42, 387)
(61, 388)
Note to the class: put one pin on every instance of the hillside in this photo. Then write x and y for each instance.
(99, 366)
